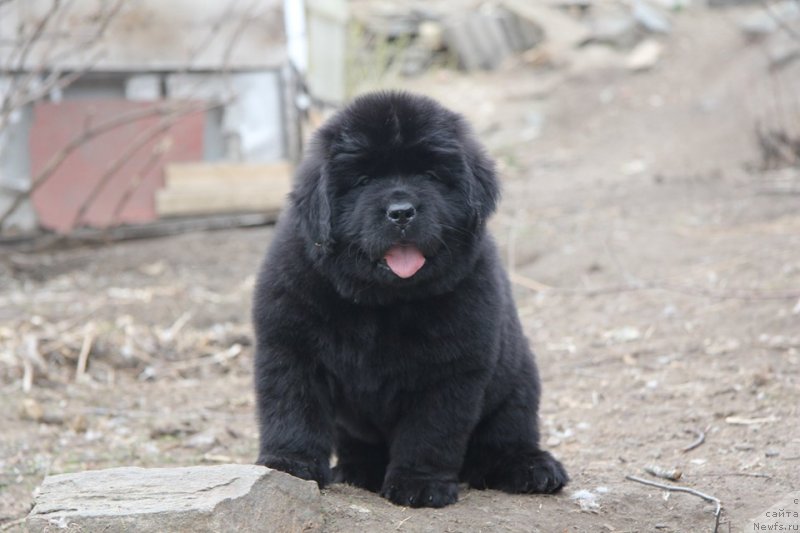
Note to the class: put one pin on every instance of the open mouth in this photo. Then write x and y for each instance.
(403, 259)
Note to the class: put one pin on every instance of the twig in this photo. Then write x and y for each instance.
(217, 458)
(138, 178)
(170, 334)
(687, 490)
(86, 348)
(32, 361)
(530, 283)
(137, 143)
(27, 376)
(55, 79)
(218, 358)
(20, 55)
(741, 421)
(33, 38)
(250, 14)
(86, 135)
(701, 438)
(21, 93)
(13, 523)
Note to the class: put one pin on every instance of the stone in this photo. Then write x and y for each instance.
(617, 29)
(31, 410)
(195, 499)
(561, 31)
(202, 441)
(761, 23)
(782, 50)
(483, 39)
(645, 56)
(596, 57)
(415, 60)
(431, 35)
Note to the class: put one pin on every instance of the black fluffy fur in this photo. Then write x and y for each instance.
(415, 384)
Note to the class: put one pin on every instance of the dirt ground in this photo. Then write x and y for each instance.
(658, 283)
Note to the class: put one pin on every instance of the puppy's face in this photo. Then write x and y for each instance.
(404, 190)
(397, 210)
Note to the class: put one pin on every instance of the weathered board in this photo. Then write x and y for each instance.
(195, 188)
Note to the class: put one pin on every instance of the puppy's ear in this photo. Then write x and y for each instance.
(484, 191)
(312, 204)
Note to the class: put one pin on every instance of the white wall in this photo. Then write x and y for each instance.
(252, 124)
(15, 164)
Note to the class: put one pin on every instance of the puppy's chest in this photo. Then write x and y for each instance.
(373, 346)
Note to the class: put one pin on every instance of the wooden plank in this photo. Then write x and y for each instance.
(194, 188)
(226, 174)
(227, 198)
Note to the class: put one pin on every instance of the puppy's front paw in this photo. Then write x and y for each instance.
(311, 469)
(537, 472)
(416, 491)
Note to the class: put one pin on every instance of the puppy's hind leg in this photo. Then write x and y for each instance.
(360, 463)
(504, 451)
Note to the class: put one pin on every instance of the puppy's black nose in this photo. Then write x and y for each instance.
(401, 213)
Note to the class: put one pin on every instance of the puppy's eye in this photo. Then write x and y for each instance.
(362, 180)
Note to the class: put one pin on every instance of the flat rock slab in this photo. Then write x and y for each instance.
(193, 499)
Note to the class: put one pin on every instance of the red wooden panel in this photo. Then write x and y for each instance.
(58, 201)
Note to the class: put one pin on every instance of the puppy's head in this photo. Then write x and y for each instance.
(393, 194)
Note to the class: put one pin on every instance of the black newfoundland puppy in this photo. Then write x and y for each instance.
(385, 327)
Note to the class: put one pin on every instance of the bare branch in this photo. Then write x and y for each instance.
(30, 41)
(104, 20)
(138, 178)
(23, 92)
(216, 27)
(133, 148)
(20, 92)
(56, 81)
(86, 135)
(19, 521)
(136, 144)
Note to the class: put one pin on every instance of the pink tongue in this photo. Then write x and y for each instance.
(404, 261)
